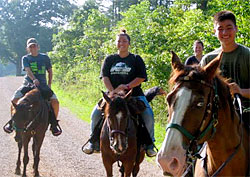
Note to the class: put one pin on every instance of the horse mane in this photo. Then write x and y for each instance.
(196, 72)
(118, 103)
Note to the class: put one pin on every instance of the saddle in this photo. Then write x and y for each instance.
(136, 107)
(45, 91)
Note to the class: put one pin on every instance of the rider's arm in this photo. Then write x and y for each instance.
(30, 73)
(245, 93)
(134, 83)
(50, 76)
(107, 84)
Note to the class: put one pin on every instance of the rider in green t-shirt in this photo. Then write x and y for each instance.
(235, 63)
(36, 65)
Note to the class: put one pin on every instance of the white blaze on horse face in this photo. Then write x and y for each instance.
(119, 117)
(172, 144)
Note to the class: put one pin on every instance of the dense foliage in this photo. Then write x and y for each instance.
(155, 30)
(22, 19)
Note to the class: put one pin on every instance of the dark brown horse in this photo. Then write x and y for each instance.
(30, 119)
(201, 110)
(118, 141)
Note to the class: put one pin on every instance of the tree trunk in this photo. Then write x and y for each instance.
(18, 68)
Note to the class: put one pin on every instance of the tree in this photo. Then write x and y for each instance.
(22, 19)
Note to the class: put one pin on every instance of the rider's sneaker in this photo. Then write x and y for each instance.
(151, 153)
(8, 128)
(91, 148)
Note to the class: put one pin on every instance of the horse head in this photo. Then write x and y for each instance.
(117, 117)
(25, 111)
(189, 107)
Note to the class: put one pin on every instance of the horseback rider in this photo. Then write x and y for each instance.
(36, 64)
(235, 63)
(120, 72)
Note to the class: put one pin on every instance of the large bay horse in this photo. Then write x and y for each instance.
(30, 119)
(118, 141)
(201, 109)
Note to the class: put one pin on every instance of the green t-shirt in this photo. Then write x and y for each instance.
(234, 65)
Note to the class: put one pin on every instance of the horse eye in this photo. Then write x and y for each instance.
(200, 104)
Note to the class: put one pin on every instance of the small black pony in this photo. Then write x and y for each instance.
(30, 118)
(118, 140)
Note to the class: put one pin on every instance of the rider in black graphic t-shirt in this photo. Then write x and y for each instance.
(124, 71)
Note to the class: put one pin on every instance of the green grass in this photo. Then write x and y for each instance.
(81, 108)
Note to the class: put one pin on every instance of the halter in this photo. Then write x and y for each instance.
(124, 133)
(192, 156)
(214, 110)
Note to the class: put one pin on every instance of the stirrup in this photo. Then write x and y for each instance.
(8, 129)
(58, 129)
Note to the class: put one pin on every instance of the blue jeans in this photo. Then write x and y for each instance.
(147, 116)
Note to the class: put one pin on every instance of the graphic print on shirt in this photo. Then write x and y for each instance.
(35, 69)
(120, 68)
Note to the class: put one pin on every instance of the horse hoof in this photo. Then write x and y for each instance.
(36, 174)
(18, 172)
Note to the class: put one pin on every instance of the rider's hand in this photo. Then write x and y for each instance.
(234, 88)
(36, 82)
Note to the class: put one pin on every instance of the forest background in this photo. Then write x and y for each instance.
(77, 39)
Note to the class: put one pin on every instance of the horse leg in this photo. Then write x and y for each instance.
(108, 166)
(38, 143)
(122, 171)
(34, 150)
(138, 162)
(26, 156)
(128, 168)
(18, 163)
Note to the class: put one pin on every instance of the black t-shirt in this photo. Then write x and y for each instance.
(191, 60)
(124, 70)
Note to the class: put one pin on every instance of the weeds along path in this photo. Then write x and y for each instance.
(60, 156)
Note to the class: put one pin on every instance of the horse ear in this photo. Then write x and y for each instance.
(211, 67)
(106, 98)
(127, 96)
(176, 62)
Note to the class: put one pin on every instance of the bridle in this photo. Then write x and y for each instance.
(112, 132)
(213, 104)
(24, 129)
(211, 108)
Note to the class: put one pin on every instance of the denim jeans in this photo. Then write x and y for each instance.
(147, 115)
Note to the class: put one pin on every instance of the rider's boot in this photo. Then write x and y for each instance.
(55, 128)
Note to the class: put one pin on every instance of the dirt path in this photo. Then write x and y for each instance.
(60, 156)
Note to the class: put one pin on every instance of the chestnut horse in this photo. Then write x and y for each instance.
(201, 110)
(30, 119)
(118, 140)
